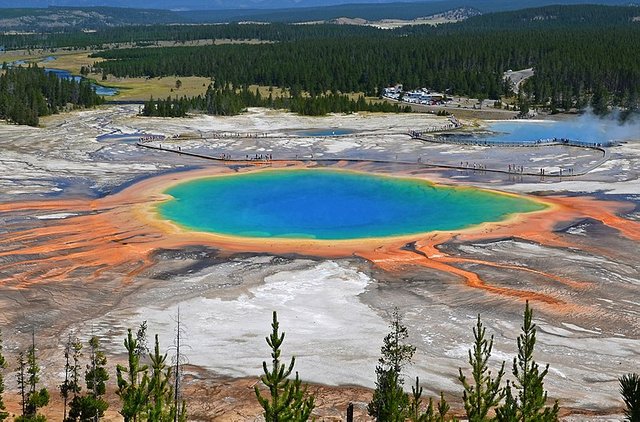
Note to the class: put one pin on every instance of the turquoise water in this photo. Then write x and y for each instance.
(125, 138)
(575, 129)
(585, 130)
(327, 204)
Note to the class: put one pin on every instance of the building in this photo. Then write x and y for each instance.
(393, 91)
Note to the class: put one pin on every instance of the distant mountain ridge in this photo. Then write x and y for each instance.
(376, 11)
(250, 5)
(54, 18)
(74, 18)
(186, 4)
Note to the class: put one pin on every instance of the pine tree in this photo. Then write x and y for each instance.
(91, 406)
(485, 392)
(529, 404)
(21, 380)
(390, 402)
(71, 385)
(179, 404)
(630, 391)
(132, 388)
(415, 406)
(35, 398)
(64, 387)
(508, 411)
(523, 105)
(443, 409)
(430, 414)
(396, 353)
(142, 347)
(600, 100)
(3, 364)
(149, 107)
(288, 400)
(160, 406)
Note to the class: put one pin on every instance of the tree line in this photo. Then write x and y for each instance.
(226, 101)
(149, 386)
(27, 93)
(104, 37)
(570, 64)
(316, 66)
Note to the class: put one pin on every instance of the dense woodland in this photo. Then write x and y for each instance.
(578, 52)
(225, 101)
(150, 34)
(553, 16)
(582, 55)
(570, 65)
(27, 93)
(317, 66)
(566, 17)
(150, 387)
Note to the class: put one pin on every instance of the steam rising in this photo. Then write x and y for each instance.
(610, 127)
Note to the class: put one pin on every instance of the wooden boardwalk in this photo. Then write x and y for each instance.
(605, 157)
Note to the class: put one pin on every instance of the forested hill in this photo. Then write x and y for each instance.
(378, 11)
(562, 17)
(556, 16)
(567, 17)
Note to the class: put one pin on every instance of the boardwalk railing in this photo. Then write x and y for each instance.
(480, 142)
(453, 124)
(268, 160)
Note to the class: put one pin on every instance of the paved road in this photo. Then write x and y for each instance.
(518, 77)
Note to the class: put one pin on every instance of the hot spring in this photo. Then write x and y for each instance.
(585, 130)
(330, 204)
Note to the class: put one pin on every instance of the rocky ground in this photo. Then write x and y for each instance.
(335, 311)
